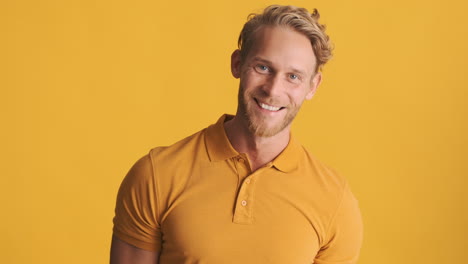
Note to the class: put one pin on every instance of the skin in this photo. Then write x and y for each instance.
(280, 72)
(124, 253)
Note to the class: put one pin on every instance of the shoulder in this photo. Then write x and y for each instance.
(339, 207)
(139, 174)
(325, 182)
(162, 162)
(325, 176)
(181, 150)
(172, 166)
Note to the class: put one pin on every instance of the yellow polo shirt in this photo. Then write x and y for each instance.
(198, 201)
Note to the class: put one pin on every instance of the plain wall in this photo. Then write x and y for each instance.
(88, 87)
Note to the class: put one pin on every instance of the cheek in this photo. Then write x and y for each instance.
(250, 81)
(297, 96)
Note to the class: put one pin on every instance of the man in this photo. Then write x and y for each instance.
(243, 190)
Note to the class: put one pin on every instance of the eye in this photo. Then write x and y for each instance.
(295, 78)
(262, 68)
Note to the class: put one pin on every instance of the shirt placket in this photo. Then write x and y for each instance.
(243, 212)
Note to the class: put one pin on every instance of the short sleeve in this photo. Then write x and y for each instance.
(345, 234)
(135, 220)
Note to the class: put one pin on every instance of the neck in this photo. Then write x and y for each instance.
(259, 150)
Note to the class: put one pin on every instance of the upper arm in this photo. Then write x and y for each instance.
(124, 253)
(136, 232)
(345, 234)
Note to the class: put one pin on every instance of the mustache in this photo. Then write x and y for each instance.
(259, 96)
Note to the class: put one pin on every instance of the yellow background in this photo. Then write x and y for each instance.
(87, 87)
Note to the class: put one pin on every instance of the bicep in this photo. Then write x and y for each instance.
(344, 237)
(137, 234)
(124, 253)
(135, 211)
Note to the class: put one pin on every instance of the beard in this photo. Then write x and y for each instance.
(257, 123)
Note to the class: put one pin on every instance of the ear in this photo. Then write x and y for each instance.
(316, 80)
(236, 64)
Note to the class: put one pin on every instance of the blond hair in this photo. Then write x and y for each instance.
(298, 19)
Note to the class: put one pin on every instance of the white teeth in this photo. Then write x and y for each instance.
(269, 107)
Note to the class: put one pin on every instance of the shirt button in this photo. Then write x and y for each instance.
(247, 181)
(244, 202)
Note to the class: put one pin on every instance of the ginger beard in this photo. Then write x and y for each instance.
(257, 123)
(276, 76)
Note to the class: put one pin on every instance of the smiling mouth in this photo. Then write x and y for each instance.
(268, 107)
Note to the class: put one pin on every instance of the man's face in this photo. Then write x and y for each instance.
(276, 77)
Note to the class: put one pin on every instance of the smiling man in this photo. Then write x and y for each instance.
(243, 190)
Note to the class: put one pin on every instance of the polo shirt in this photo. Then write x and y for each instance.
(198, 201)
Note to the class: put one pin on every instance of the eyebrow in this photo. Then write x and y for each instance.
(292, 69)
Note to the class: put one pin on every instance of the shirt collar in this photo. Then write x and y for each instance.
(217, 143)
(219, 148)
(288, 159)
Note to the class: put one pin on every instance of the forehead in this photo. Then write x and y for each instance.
(284, 48)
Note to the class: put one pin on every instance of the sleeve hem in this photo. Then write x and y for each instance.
(153, 247)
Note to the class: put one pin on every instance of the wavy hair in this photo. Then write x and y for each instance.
(297, 18)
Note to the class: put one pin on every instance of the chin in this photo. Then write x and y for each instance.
(261, 129)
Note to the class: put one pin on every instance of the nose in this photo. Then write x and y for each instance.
(273, 85)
